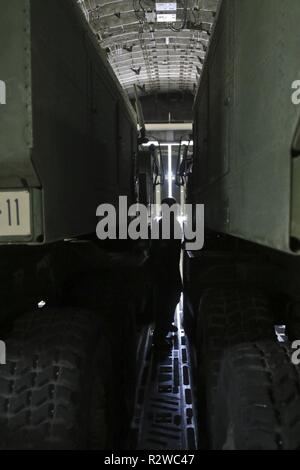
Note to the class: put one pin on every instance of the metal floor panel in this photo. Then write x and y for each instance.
(165, 416)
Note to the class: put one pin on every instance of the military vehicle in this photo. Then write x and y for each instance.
(68, 142)
(244, 285)
(77, 369)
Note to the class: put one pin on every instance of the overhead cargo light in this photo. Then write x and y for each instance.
(166, 17)
(150, 16)
(166, 6)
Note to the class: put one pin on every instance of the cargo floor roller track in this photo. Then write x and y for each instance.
(165, 416)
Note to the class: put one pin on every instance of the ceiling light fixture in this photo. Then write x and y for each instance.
(166, 6)
(166, 12)
(166, 17)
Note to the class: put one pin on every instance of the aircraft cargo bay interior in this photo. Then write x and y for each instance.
(149, 227)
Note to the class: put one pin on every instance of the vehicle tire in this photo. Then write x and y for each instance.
(226, 318)
(56, 388)
(258, 399)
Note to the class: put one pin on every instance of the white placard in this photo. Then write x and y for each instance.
(166, 18)
(15, 214)
(166, 6)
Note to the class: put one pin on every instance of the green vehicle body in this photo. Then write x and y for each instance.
(68, 141)
(246, 169)
(68, 135)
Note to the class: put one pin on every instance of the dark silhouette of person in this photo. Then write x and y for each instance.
(165, 266)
